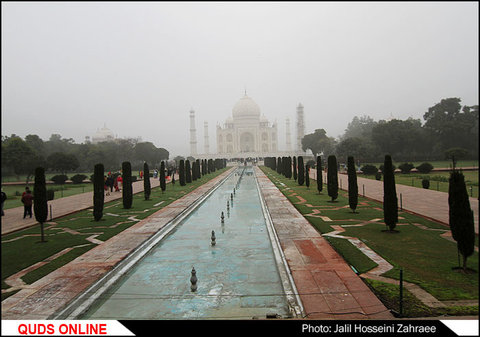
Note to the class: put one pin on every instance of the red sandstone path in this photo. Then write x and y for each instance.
(328, 287)
(428, 203)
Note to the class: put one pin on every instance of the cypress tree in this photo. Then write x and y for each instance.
(332, 177)
(127, 192)
(147, 188)
(188, 172)
(279, 165)
(40, 207)
(294, 168)
(288, 167)
(274, 163)
(352, 184)
(194, 170)
(301, 171)
(162, 176)
(307, 175)
(461, 216)
(319, 174)
(98, 191)
(181, 173)
(390, 202)
(199, 173)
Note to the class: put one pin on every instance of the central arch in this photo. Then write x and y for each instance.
(247, 142)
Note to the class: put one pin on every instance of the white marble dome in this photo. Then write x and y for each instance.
(246, 107)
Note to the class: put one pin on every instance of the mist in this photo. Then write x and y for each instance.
(138, 68)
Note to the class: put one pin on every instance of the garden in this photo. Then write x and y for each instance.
(421, 248)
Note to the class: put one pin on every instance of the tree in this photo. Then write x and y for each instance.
(307, 176)
(390, 203)
(16, 154)
(406, 140)
(332, 178)
(301, 171)
(62, 162)
(188, 172)
(288, 167)
(127, 192)
(40, 206)
(352, 184)
(360, 127)
(450, 125)
(318, 142)
(295, 168)
(181, 172)
(147, 189)
(98, 191)
(461, 216)
(279, 165)
(162, 176)
(319, 174)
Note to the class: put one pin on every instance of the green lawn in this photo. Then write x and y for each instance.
(425, 257)
(435, 164)
(23, 249)
(14, 193)
(438, 180)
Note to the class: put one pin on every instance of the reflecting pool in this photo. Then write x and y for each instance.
(238, 277)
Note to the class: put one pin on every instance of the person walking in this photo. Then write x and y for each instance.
(27, 200)
(4, 197)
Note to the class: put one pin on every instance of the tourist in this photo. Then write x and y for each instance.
(110, 181)
(27, 200)
(105, 185)
(4, 197)
(120, 181)
(26, 190)
(115, 183)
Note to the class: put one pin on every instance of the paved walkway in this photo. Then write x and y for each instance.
(13, 219)
(328, 287)
(428, 203)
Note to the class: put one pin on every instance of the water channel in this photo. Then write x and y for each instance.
(240, 277)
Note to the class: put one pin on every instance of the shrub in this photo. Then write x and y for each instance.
(146, 181)
(59, 179)
(378, 176)
(50, 194)
(425, 168)
(98, 191)
(390, 203)
(127, 192)
(332, 177)
(40, 207)
(426, 183)
(406, 167)
(134, 178)
(352, 184)
(319, 175)
(381, 168)
(78, 178)
(301, 171)
(369, 169)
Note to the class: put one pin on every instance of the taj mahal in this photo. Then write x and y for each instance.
(247, 133)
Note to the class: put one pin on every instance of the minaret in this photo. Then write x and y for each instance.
(193, 134)
(300, 127)
(287, 135)
(205, 137)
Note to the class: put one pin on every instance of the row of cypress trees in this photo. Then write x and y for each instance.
(461, 218)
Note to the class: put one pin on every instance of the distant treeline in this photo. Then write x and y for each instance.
(22, 156)
(448, 128)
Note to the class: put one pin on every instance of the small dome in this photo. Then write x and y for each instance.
(246, 107)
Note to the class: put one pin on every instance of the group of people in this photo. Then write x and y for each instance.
(113, 181)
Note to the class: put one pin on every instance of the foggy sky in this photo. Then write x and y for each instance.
(70, 68)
